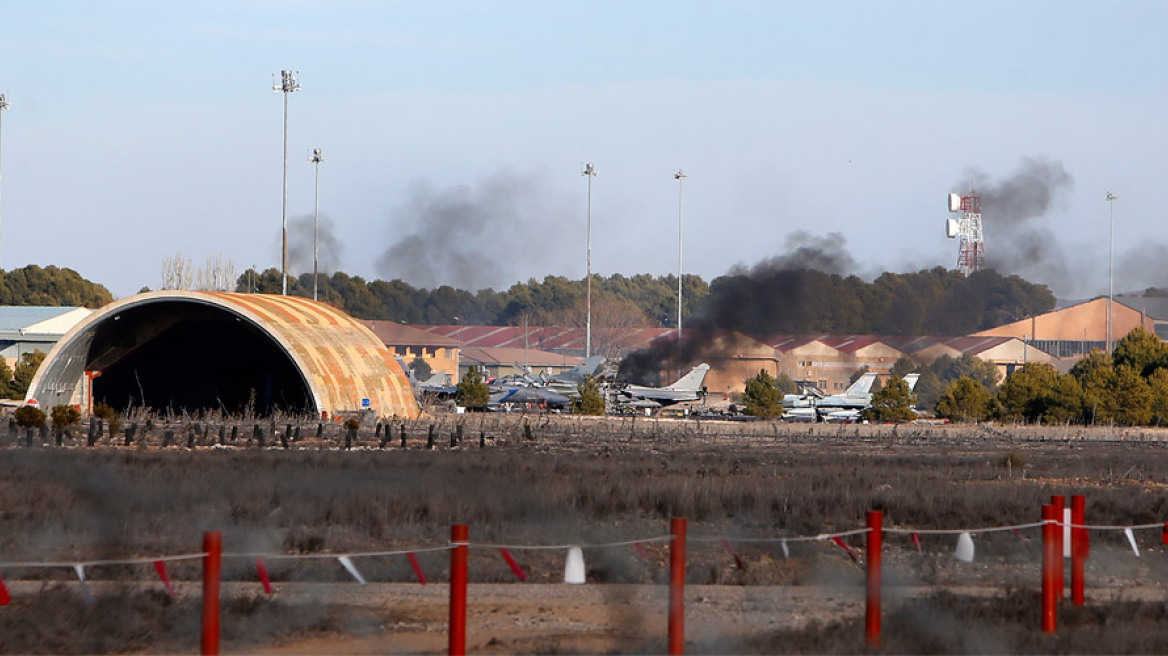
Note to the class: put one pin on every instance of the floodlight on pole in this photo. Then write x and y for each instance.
(680, 176)
(288, 84)
(590, 171)
(316, 158)
(4, 104)
(1110, 266)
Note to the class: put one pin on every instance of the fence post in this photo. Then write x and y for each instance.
(1049, 558)
(1078, 547)
(212, 566)
(1060, 503)
(677, 528)
(459, 537)
(875, 546)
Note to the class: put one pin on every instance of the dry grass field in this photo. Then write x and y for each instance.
(560, 480)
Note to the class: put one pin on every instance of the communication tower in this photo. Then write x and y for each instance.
(967, 228)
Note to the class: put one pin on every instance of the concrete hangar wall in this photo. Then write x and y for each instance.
(188, 350)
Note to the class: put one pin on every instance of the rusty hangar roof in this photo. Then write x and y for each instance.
(198, 349)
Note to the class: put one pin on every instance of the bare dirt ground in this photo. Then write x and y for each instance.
(591, 482)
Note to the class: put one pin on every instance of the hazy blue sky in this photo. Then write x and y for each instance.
(139, 130)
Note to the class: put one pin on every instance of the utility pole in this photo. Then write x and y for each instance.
(4, 104)
(288, 84)
(316, 159)
(589, 171)
(1110, 266)
(680, 176)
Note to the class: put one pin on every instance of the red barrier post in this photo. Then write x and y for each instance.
(677, 528)
(459, 536)
(1060, 503)
(1049, 558)
(1078, 547)
(212, 567)
(875, 546)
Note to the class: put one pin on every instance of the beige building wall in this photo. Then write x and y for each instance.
(830, 369)
(1085, 321)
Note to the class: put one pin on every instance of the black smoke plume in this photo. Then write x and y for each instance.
(476, 237)
(767, 298)
(329, 248)
(1017, 237)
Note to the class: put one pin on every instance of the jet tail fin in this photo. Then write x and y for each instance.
(587, 367)
(862, 386)
(691, 382)
(911, 379)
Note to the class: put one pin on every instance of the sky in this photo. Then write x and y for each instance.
(454, 136)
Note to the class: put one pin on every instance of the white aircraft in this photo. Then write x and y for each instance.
(837, 407)
(687, 388)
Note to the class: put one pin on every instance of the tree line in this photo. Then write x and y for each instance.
(932, 301)
(51, 286)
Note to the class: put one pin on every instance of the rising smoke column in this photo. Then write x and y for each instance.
(478, 237)
(758, 300)
(329, 248)
(1014, 212)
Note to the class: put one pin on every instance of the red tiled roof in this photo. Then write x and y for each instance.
(392, 333)
(511, 356)
(536, 337)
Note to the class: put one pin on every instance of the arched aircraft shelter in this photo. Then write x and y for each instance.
(191, 351)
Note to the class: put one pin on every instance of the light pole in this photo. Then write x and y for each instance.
(288, 84)
(680, 176)
(589, 171)
(1110, 265)
(316, 159)
(3, 106)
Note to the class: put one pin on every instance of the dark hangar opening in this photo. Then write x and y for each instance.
(176, 356)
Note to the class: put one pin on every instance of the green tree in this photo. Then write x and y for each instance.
(25, 370)
(1133, 397)
(1141, 350)
(471, 391)
(5, 380)
(33, 285)
(1158, 385)
(589, 400)
(894, 402)
(762, 397)
(964, 400)
(928, 389)
(1096, 376)
(1037, 392)
(902, 367)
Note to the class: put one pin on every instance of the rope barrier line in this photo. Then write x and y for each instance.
(98, 563)
(796, 538)
(602, 545)
(334, 556)
(549, 547)
(958, 531)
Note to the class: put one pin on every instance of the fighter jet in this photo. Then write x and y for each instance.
(836, 407)
(511, 398)
(687, 388)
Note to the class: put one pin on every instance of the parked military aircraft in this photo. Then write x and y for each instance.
(510, 398)
(836, 407)
(687, 388)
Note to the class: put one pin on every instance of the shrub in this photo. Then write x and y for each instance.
(29, 416)
(589, 401)
(64, 416)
